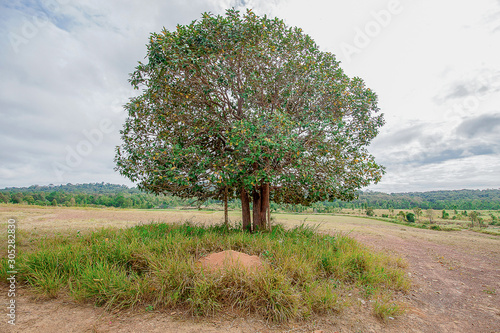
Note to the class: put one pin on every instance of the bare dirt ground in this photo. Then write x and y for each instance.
(455, 275)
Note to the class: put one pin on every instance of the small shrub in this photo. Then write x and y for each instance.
(410, 217)
(370, 211)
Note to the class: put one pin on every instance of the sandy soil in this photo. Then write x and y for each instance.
(224, 260)
(456, 279)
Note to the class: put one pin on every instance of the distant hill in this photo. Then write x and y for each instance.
(95, 194)
(457, 199)
(105, 194)
(90, 188)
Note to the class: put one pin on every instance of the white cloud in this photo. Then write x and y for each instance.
(475, 172)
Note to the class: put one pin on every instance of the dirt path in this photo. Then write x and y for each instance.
(453, 289)
(456, 275)
(456, 278)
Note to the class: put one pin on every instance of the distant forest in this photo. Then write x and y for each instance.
(111, 195)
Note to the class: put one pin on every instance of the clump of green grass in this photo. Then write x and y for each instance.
(155, 266)
(384, 307)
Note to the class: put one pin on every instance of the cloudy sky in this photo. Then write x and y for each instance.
(435, 65)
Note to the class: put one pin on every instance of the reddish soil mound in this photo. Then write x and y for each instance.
(226, 259)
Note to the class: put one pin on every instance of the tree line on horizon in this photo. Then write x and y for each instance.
(122, 196)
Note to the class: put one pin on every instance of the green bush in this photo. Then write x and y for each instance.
(370, 211)
(410, 217)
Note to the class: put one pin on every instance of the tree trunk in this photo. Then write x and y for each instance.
(257, 202)
(245, 210)
(226, 217)
(265, 223)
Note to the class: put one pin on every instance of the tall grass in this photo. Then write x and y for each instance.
(155, 265)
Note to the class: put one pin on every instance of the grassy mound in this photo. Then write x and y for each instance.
(154, 266)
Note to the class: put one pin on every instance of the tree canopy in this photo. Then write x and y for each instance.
(243, 105)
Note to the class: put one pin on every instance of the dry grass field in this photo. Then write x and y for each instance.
(455, 276)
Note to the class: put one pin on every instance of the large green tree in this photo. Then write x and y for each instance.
(245, 106)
